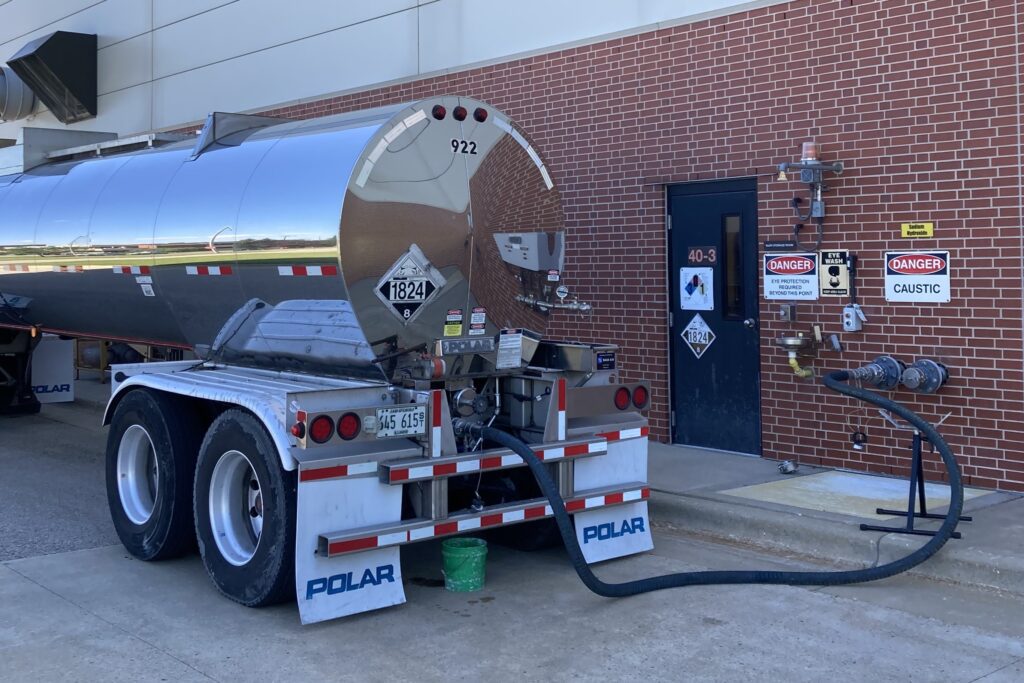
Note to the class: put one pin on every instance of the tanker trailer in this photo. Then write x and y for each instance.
(353, 288)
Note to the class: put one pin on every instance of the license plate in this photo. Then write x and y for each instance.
(401, 421)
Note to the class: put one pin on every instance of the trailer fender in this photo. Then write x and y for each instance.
(265, 408)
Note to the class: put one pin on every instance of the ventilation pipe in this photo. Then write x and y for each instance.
(16, 99)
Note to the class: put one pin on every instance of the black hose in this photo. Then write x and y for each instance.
(835, 381)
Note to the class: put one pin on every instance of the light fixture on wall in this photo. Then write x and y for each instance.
(812, 171)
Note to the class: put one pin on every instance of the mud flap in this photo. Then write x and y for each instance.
(617, 530)
(357, 582)
(614, 531)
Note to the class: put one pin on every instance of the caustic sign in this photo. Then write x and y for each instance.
(917, 276)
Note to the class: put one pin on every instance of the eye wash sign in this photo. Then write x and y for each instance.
(917, 276)
(791, 277)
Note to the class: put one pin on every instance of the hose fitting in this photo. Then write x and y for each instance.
(803, 373)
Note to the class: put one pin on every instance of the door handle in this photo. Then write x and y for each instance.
(750, 324)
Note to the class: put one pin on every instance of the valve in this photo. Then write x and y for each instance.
(925, 376)
(882, 373)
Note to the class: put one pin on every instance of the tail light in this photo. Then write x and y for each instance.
(480, 114)
(459, 113)
(438, 112)
(641, 397)
(348, 426)
(298, 430)
(321, 428)
(622, 398)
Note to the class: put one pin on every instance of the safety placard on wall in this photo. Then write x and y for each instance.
(791, 276)
(917, 276)
(835, 273)
(696, 289)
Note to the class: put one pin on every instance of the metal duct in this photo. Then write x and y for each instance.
(61, 70)
(16, 99)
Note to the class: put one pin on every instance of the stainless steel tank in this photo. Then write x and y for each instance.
(427, 219)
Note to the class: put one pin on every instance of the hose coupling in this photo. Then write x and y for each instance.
(882, 373)
(803, 373)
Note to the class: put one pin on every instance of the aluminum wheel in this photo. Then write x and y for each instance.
(137, 474)
(236, 507)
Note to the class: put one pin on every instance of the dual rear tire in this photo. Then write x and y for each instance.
(167, 490)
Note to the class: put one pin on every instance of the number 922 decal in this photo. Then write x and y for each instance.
(463, 146)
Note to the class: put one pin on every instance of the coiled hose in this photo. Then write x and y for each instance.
(835, 381)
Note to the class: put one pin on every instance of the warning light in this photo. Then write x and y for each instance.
(622, 398)
(438, 112)
(641, 397)
(298, 430)
(348, 426)
(459, 113)
(321, 428)
(809, 152)
(480, 114)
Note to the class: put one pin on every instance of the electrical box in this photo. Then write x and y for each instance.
(853, 318)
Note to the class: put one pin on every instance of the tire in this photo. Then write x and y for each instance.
(245, 512)
(151, 455)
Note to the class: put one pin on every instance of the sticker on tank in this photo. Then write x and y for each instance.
(409, 284)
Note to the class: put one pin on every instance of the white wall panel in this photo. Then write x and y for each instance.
(335, 61)
(168, 11)
(166, 63)
(457, 32)
(250, 25)
(125, 64)
(111, 20)
(24, 16)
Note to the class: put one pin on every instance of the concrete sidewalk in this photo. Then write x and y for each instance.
(715, 495)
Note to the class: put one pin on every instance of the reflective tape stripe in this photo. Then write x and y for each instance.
(624, 434)
(208, 270)
(132, 270)
(337, 471)
(307, 271)
(487, 519)
(69, 269)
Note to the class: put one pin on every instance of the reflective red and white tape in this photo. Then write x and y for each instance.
(208, 270)
(401, 536)
(132, 270)
(337, 471)
(69, 269)
(403, 474)
(307, 271)
(15, 268)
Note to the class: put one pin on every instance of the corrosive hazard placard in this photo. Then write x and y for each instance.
(698, 336)
(696, 289)
(917, 276)
(791, 276)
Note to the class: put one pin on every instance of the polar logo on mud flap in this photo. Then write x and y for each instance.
(52, 389)
(609, 530)
(347, 581)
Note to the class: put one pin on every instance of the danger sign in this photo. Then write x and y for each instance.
(791, 276)
(917, 276)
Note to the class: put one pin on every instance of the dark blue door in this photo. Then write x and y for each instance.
(716, 386)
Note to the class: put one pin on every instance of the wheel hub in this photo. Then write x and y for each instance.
(138, 478)
(236, 507)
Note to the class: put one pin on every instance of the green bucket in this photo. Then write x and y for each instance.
(464, 562)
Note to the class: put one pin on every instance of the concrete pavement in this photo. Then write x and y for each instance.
(74, 606)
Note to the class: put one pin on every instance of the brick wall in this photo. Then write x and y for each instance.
(920, 99)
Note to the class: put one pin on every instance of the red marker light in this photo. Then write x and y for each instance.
(641, 397)
(438, 112)
(321, 429)
(298, 430)
(480, 114)
(622, 398)
(460, 113)
(348, 426)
